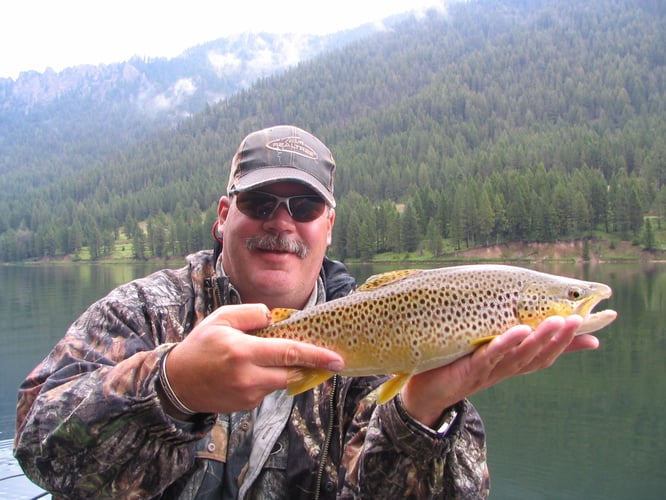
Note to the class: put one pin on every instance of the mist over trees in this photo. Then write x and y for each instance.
(500, 121)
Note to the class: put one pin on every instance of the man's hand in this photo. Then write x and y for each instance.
(520, 350)
(218, 368)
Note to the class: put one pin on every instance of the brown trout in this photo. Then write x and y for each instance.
(407, 322)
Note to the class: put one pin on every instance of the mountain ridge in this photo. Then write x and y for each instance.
(83, 113)
(513, 120)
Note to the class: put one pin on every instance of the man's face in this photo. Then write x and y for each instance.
(275, 277)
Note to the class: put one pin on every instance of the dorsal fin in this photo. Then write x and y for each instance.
(379, 280)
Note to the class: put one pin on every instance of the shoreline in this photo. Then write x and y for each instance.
(571, 252)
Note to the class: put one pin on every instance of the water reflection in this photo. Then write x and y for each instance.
(37, 304)
(590, 427)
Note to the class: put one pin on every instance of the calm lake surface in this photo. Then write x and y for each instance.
(591, 427)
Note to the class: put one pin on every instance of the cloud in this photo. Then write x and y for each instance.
(174, 96)
(224, 62)
(44, 33)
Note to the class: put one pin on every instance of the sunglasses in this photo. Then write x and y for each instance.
(262, 206)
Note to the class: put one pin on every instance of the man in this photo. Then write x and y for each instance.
(156, 391)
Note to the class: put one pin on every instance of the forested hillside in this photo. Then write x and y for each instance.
(53, 124)
(501, 121)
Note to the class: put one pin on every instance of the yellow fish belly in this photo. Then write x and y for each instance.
(410, 321)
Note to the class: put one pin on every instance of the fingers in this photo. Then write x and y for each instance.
(501, 346)
(220, 368)
(548, 342)
(518, 351)
(583, 342)
(521, 350)
(242, 317)
(266, 352)
(289, 353)
(273, 352)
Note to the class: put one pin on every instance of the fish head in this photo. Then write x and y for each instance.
(547, 295)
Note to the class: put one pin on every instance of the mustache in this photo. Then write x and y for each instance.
(277, 243)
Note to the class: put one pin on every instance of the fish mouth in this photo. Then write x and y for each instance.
(593, 321)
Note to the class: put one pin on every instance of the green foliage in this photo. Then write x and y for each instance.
(648, 239)
(488, 125)
(409, 230)
(586, 250)
(434, 238)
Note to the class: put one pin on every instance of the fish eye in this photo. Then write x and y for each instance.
(576, 293)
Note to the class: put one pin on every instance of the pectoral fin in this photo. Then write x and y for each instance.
(482, 340)
(391, 387)
(301, 379)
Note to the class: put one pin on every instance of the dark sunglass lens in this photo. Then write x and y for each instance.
(306, 208)
(256, 205)
(261, 206)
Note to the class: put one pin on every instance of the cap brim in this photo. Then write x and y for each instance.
(268, 175)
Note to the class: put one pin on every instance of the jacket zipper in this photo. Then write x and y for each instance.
(329, 437)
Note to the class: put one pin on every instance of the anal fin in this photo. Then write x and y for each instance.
(389, 389)
(301, 379)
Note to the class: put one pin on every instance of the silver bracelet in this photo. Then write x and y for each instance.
(445, 423)
(168, 390)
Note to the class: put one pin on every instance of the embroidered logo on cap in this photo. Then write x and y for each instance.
(293, 145)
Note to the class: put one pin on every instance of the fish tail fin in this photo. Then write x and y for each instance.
(391, 387)
(301, 379)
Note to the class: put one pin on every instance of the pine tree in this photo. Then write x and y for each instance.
(139, 243)
(434, 238)
(409, 230)
(648, 240)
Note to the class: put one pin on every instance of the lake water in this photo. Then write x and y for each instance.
(591, 427)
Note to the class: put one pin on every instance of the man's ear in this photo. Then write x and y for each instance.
(331, 223)
(223, 209)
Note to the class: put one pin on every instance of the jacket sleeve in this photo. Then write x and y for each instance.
(89, 422)
(387, 454)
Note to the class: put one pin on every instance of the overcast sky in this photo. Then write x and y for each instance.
(36, 34)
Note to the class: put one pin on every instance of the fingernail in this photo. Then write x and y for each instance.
(335, 366)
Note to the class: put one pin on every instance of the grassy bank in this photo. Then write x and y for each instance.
(596, 250)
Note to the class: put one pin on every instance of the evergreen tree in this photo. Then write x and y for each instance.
(647, 239)
(139, 243)
(573, 141)
(660, 203)
(95, 244)
(75, 237)
(353, 231)
(486, 216)
(457, 222)
(131, 226)
(366, 241)
(49, 242)
(434, 238)
(409, 232)
(108, 243)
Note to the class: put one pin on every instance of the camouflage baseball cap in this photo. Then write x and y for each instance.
(282, 153)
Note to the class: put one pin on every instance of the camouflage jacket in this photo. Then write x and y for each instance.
(90, 423)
